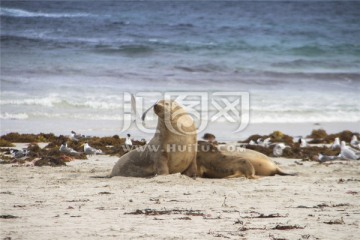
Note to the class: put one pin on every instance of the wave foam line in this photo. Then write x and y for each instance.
(13, 12)
(14, 116)
(59, 103)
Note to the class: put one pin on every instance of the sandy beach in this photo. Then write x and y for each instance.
(261, 75)
(322, 202)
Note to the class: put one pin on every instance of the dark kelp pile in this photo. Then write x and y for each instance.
(51, 155)
(294, 150)
(320, 136)
(275, 136)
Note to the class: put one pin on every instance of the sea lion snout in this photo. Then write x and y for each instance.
(163, 106)
(158, 108)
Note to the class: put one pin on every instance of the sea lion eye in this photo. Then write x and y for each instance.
(167, 104)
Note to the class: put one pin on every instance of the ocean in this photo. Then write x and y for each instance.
(69, 63)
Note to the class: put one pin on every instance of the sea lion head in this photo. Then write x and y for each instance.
(174, 116)
(165, 108)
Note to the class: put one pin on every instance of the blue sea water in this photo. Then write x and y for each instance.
(72, 60)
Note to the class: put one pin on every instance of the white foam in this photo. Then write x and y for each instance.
(55, 101)
(13, 12)
(101, 105)
(14, 116)
(45, 102)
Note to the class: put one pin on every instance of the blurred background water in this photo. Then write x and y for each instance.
(71, 61)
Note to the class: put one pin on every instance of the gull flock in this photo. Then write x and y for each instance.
(347, 152)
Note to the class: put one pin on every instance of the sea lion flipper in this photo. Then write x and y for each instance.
(191, 171)
(161, 165)
(282, 173)
(236, 175)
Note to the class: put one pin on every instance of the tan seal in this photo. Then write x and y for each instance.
(171, 150)
(263, 165)
(213, 163)
(222, 162)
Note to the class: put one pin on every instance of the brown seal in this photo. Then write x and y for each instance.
(213, 163)
(171, 150)
(221, 162)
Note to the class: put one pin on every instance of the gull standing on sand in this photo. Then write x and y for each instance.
(347, 153)
(75, 137)
(252, 142)
(90, 150)
(19, 153)
(266, 143)
(128, 140)
(325, 158)
(336, 144)
(355, 142)
(302, 142)
(278, 149)
(65, 149)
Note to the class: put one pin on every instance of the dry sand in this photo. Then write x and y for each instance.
(322, 202)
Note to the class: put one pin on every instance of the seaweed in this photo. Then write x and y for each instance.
(336, 221)
(243, 228)
(50, 161)
(15, 137)
(255, 137)
(318, 134)
(8, 216)
(152, 212)
(287, 227)
(344, 136)
(34, 150)
(5, 143)
(264, 150)
(276, 136)
(261, 215)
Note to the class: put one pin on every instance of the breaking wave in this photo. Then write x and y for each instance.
(14, 12)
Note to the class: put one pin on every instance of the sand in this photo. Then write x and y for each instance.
(322, 202)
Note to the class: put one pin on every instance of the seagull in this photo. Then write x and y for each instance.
(302, 142)
(19, 153)
(90, 150)
(266, 143)
(128, 140)
(355, 142)
(75, 137)
(324, 158)
(336, 144)
(278, 149)
(252, 142)
(65, 149)
(347, 153)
